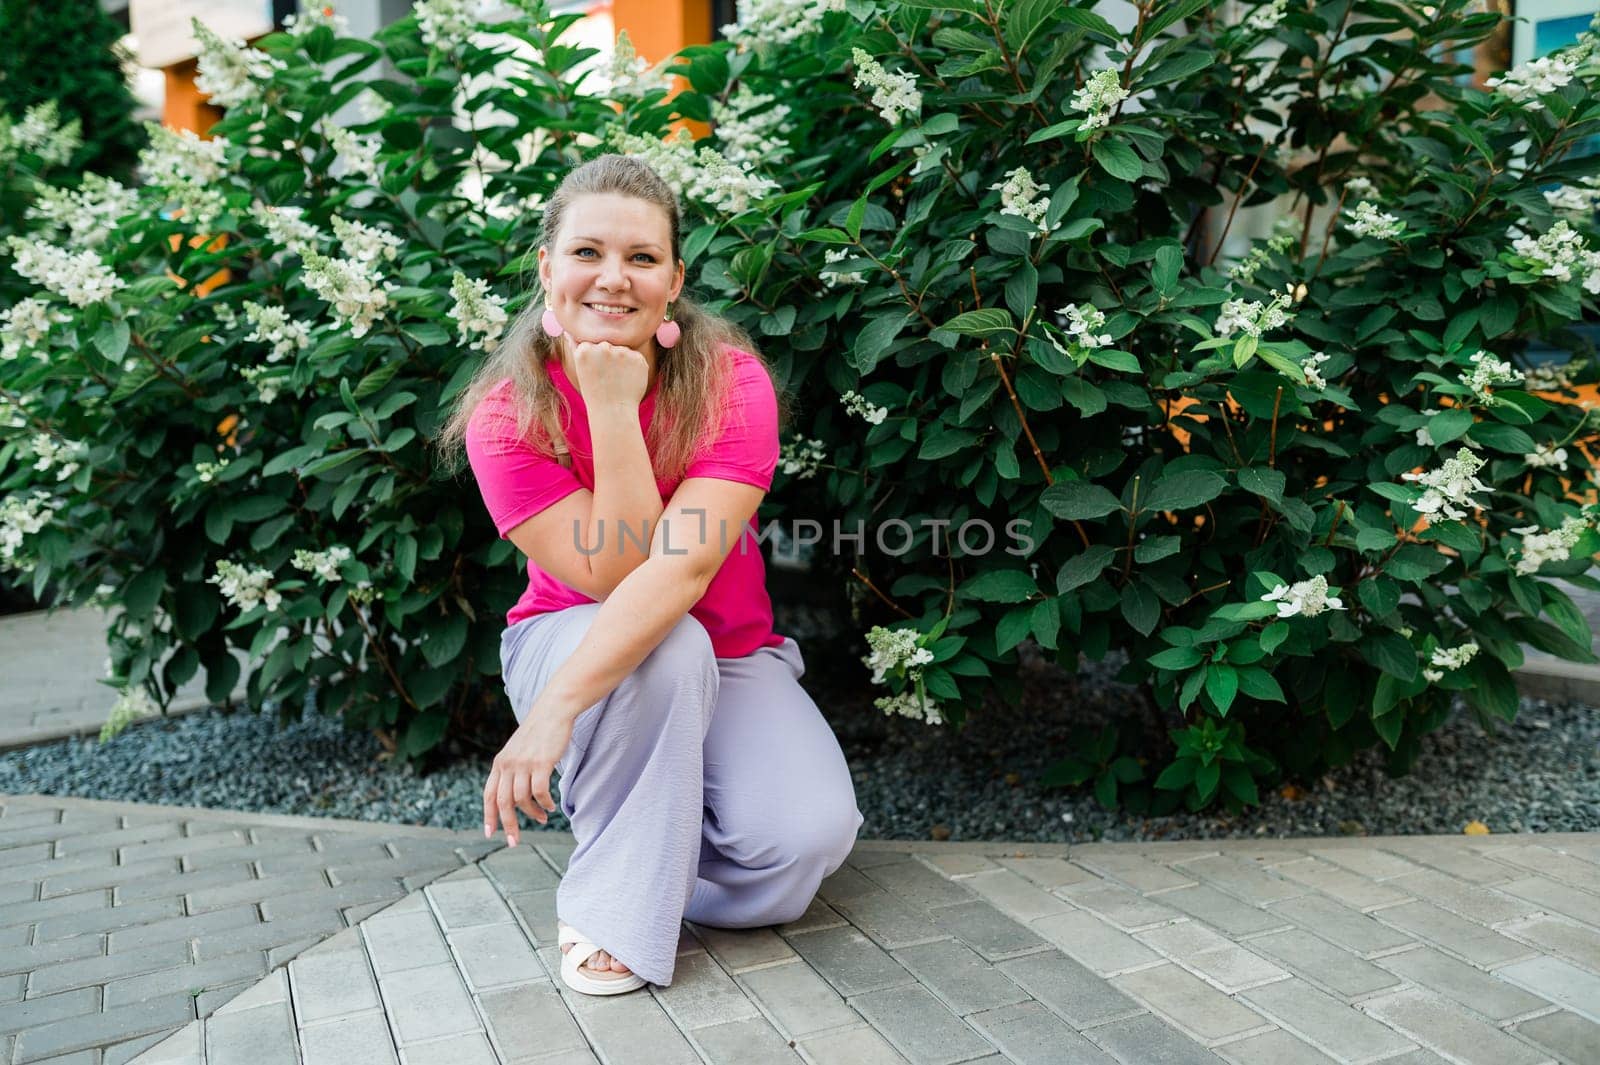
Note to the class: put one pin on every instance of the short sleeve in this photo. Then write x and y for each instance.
(746, 448)
(515, 480)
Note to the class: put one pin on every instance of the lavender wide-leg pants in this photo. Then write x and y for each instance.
(703, 788)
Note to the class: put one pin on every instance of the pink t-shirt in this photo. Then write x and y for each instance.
(517, 482)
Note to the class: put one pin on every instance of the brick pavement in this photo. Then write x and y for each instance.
(1401, 950)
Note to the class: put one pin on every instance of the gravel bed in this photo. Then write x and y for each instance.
(1539, 774)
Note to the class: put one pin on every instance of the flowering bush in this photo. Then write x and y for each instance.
(1312, 493)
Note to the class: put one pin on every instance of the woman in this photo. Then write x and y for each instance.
(623, 439)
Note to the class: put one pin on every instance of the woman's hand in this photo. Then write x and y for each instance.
(520, 778)
(610, 374)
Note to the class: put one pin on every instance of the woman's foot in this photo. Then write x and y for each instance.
(602, 965)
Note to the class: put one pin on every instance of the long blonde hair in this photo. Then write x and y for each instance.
(692, 377)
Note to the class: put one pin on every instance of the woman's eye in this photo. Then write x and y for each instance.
(585, 251)
(646, 257)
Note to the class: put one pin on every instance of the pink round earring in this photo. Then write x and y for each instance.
(551, 324)
(668, 332)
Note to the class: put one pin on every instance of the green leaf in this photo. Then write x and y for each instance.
(1263, 481)
(1183, 491)
(1076, 500)
(1082, 394)
(875, 338)
(1390, 652)
(1012, 629)
(1449, 425)
(1117, 159)
(1176, 658)
(1168, 264)
(981, 322)
(1140, 607)
(445, 640)
(1156, 548)
(1273, 635)
(112, 339)
(1222, 684)
(1082, 568)
(1000, 586)
(1178, 775)
(141, 594)
(1257, 683)
(1205, 780)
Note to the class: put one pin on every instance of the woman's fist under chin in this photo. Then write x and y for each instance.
(610, 373)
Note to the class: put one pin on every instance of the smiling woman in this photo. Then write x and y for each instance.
(623, 438)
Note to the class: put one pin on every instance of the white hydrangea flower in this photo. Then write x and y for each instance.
(286, 226)
(892, 94)
(910, 704)
(266, 380)
(834, 278)
(763, 23)
(447, 24)
(1359, 188)
(355, 294)
(182, 157)
(1555, 253)
(22, 516)
(132, 705)
(25, 326)
(80, 278)
(323, 564)
(245, 587)
(302, 24)
(730, 187)
(702, 175)
(1580, 198)
(1425, 438)
(364, 243)
(801, 457)
(52, 453)
(359, 153)
(895, 649)
(206, 472)
(229, 71)
(1368, 221)
(632, 76)
(363, 592)
(478, 312)
(1084, 322)
(1487, 371)
(42, 133)
(87, 213)
(272, 325)
(1528, 82)
(1311, 368)
(855, 403)
(751, 127)
(1307, 598)
(372, 106)
(1552, 377)
(1537, 547)
(1452, 658)
(1548, 455)
(1023, 197)
(1251, 317)
(1244, 271)
(1099, 94)
(1266, 18)
(1450, 487)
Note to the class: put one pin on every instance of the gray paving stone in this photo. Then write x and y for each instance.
(1472, 901)
(703, 994)
(23, 912)
(44, 955)
(536, 910)
(1095, 943)
(1133, 870)
(1188, 1002)
(1351, 929)
(851, 1046)
(225, 893)
(1324, 964)
(1222, 911)
(920, 1027)
(182, 1047)
(404, 941)
(339, 854)
(1465, 984)
(45, 832)
(470, 1049)
(986, 930)
(849, 961)
(47, 866)
(493, 955)
(145, 934)
(1370, 862)
(1558, 935)
(226, 880)
(1016, 896)
(101, 970)
(208, 1001)
(124, 1052)
(427, 1003)
(746, 1042)
(631, 1029)
(1459, 936)
(25, 855)
(467, 902)
(1048, 873)
(400, 869)
(16, 1016)
(263, 1035)
(530, 1021)
(358, 1039)
(200, 841)
(518, 869)
(1448, 856)
(1070, 989)
(844, 882)
(72, 1034)
(818, 915)
(265, 936)
(1450, 1030)
(1029, 1034)
(918, 884)
(956, 866)
(107, 919)
(334, 983)
(189, 978)
(1565, 985)
(22, 891)
(1276, 1047)
(960, 977)
(1127, 910)
(1241, 879)
(290, 905)
(1573, 1039)
(1328, 1024)
(888, 919)
(1554, 864)
(133, 835)
(1144, 1038)
(737, 949)
(1352, 889)
(799, 1001)
(1562, 898)
(11, 988)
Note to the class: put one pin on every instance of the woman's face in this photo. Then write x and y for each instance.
(609, 273)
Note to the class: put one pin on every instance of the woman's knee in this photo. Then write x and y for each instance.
(825, 834)
(683, 659)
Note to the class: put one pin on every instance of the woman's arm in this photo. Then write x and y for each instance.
(625, 496)
(631, 622)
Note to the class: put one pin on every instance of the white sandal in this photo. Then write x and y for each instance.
(580, 979)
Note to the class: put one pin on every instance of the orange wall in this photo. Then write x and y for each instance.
(658, 28)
